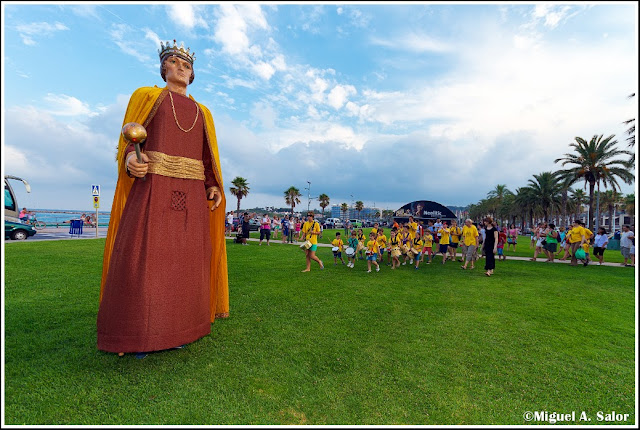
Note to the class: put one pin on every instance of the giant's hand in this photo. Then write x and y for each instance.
(137, 169)
(214, 194)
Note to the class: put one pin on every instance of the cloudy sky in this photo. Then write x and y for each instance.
(384, 103)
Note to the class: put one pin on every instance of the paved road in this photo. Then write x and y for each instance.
(59, 233)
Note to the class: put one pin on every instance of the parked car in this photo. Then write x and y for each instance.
(254, 224)
(17, 230)
(333, 223)
(356, 223)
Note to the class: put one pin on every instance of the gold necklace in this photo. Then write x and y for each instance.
(176, 118)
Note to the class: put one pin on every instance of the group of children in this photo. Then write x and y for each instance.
(409, 242)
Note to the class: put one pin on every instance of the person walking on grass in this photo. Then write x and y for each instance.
(576, 239)
(470, 239)
(310, 231)
(454, 240)
(539, 234)
(353, 244)
(552, 237)
(372, 252)
(395, 243)
(512, 237)
(600, 244)
(444, 233)
(338, 244)
(490, 245)
(627, 240)
(502, 240)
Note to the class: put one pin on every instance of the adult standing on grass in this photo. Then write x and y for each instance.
(265, 229)
(512, 237)
(490, 244)
(626, 242)
(600, 244)
(229, 223)
(245, 227)
(164, 277)
(552, 238)
(470, 239)
(310, 231)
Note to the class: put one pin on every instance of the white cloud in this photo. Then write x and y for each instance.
(63, 105)
(121, 35)
(413, 42)
(264, 70)
(339, 95)
(37, 29)
(234, 22)
(186, 15)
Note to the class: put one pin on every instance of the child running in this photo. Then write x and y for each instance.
(372, 252)
(381, 238)
(353, 243)
(416, 247)
(361, 239)
(394, 243)
(428, 246)
(337, 243)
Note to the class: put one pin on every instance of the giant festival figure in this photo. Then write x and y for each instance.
(164, 276)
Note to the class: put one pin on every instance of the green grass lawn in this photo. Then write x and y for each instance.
(434, 346)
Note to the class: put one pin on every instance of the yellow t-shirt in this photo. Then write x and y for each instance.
(575, 234)
(395, 241)
(404, 238)
(444, 236)
(361, 238)
(309, 227)
(455, 234)
(339, 243)
(587, 233)
(374, 230)
(417, 244)
(372, 246)
(585, 246)
(413, 227)
(382, 241)
(428, 240)
(469, 235)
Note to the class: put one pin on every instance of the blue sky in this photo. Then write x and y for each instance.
(384, 103)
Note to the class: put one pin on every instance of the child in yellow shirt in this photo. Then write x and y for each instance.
(382, 243)
(361, 240)
(395, 243)
(416, 245)
(372, 252)
(428, 247)
(337, 243)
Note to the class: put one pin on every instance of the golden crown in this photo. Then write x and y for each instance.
(166, 50)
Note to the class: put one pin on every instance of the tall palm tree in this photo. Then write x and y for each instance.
(324, 202)
(359, 207)
(526, 201)
(345, 208)
(292, 197)
(630, 203)
(631, 131)
(609, 199)
(593, 162)
(545, 191)
(498, 194)
(577, 199)
(240, 189)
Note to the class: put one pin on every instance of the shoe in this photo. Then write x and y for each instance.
(411, 261)
(377, 269)
(141, 355)
(368, 271)
(404, 264)
(463, 268)
(416, 267)
(585, 263)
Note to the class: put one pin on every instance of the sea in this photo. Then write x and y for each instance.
(57, 217)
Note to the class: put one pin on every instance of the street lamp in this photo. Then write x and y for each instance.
(308, 196)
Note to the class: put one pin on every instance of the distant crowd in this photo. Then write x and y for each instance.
(415, 243)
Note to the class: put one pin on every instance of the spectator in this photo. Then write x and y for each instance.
(285, 229)
(490, 244)
(552, 237)
(298, 225)
(24, 215)
(512, 237)
(244, 227)
(229, 223)
(502, 240)
(626, 242)
(600, 244)
(540, 236)
(265, 229)
(276, 225)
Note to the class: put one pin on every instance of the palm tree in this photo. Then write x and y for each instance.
(292, 197)
(545, 192)
(593, 162)
(324, 202)
(498, 195)
(630, 203)
(240, 189)
(359, 207)
(609, 199)
(577, 199)
(526, 201)
(344, 207)
(631, 131)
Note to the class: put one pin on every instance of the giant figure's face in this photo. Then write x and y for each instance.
(178, 70)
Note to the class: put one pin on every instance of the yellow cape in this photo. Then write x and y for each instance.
(142, 107)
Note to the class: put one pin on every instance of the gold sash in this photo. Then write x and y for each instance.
(175, 166)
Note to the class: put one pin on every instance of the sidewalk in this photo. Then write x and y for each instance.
(458, 255)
